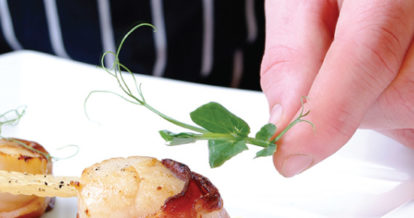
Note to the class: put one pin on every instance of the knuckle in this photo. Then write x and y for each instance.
(384, 47)
(276, 61)
(276, 57)
(377, 62)
(380, 43)
(382, 64)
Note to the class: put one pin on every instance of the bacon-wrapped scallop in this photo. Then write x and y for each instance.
(15, 157)
(145, 187)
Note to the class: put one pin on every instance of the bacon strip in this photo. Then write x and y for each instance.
(199, 195)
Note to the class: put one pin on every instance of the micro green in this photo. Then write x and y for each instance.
(226, 133)
(12, 117)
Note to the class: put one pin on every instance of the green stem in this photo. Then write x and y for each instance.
(286, 129)
(223, 136)
(298, 120)
(258, 142)
(174, 121)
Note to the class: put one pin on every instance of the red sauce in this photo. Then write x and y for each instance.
(198, 195)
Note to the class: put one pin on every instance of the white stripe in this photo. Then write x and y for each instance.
(237, 68)
(207, 52)
(54, 28)
(107, 34)
(159, 38)
(7, 26)
(251, 21)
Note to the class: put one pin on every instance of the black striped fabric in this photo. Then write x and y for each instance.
(217, 42)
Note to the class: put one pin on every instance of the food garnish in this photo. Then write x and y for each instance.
(226, 133)
(12, 117)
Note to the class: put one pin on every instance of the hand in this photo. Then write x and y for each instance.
(354, 59)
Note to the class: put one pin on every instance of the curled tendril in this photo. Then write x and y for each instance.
(45, 154)
(118, 67)
(134, 97)
(116, 71)
(12, 117)
(68, 156)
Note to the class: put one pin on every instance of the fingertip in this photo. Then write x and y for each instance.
(293, 155)
(304, 145)
(293, 164)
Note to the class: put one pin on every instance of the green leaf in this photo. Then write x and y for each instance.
(217, 119)
(268, 151)
(177, 138)
(266, 132)
(222, 150)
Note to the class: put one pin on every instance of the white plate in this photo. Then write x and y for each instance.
(370, 177)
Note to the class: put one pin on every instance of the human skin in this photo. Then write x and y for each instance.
(353, 59)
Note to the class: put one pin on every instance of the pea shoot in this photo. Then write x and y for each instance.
(12, 118)
(226, 133)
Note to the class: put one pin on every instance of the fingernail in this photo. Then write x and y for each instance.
(296, 164)
(276, 114)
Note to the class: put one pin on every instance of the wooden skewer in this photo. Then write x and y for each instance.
(40, 185)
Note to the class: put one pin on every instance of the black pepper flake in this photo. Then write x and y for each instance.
(46, 183)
